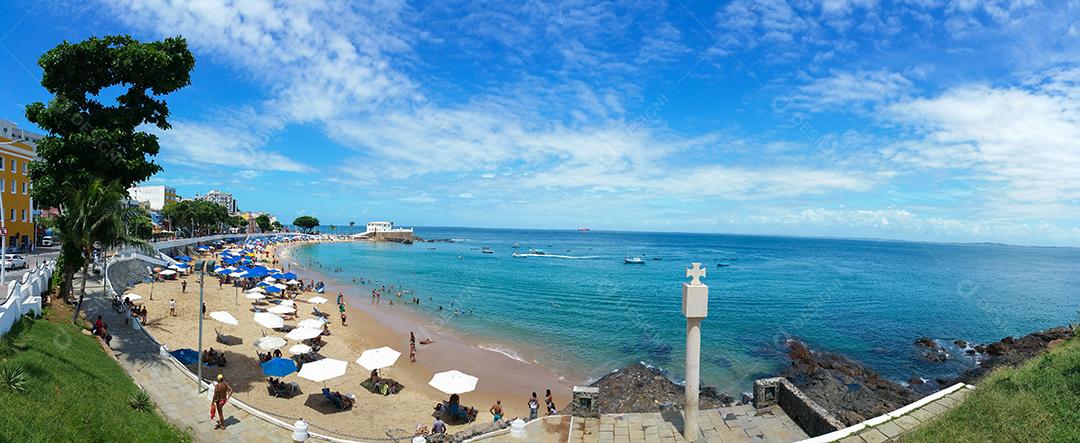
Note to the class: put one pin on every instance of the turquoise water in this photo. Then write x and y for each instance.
(583, 313)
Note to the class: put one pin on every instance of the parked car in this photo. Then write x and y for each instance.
(14, 262)
(46, 240)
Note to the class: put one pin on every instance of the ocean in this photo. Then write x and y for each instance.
(580, 311)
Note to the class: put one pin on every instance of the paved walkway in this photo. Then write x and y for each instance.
(907, 421)
(175, 394)
(736, 424)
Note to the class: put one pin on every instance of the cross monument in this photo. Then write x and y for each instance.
(695, 306)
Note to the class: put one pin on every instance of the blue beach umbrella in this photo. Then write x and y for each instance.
(271, 289)
(183, 258)
(290, 276)
(278, 367)
(186, 356)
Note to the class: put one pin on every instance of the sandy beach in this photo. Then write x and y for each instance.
(369, 326)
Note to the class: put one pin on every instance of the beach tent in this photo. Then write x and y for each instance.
(269, 343)
(298, 349)
(300, 334)
(224, 317)
(186, 356)
(317, 300)
(269, 320)
(452, 382)
(281, 309)
(323, 370)
(313, 323)
(378, 358)
(278, 367)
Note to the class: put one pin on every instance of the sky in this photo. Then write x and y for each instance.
(913, 119)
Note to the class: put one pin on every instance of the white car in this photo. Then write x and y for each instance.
(14, 262)
(46, 240)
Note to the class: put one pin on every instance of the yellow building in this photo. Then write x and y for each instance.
(16, 152)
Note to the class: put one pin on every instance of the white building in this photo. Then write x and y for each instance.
(155, 196)
(384, 227)
(222, 198)
(9, 130)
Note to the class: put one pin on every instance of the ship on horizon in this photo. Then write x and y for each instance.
(583, 229)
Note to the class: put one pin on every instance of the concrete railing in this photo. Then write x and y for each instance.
(806, 413)
(23, 296)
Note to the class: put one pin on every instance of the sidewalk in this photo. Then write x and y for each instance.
(175, 394)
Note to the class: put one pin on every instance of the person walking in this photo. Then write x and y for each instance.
(550, 404)
(496, 410)
(172, 307)
(222, 392)
(412, 352)
(183, 287)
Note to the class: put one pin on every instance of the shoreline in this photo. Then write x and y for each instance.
(502, 376)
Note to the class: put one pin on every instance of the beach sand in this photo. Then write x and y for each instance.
(501, 377)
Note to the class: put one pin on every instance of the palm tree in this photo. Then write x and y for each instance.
(351, 224)
(94, 216)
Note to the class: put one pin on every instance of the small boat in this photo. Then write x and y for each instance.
(657, 258)
(515, 245)
(722, 265)
(634, 260)
(486, 250)
(583, 229)
(537, 251)
(519, 255)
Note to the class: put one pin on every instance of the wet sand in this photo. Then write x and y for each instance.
(369, 326)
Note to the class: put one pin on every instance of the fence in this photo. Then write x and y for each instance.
(23, 296)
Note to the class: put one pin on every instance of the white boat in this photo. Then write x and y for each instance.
(634, 260)
(486, 250)
(583, 229)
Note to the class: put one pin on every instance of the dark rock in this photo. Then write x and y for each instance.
(970, 352)
(926, 342)
(960, 343)
(915, 381)
(849, 390)
(641, 388)
(1013, 351)
(980, 349)
(935, 355)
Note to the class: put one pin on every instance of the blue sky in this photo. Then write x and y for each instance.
(914, 119)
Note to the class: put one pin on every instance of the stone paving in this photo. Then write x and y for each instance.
(893, 429)
(734, 424)
(175, 394)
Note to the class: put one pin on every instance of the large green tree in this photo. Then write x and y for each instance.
(95, 215)
(195, 216)
(263, 221)
(89, 139)
(306, 222)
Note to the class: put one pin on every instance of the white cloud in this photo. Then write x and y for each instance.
(1024, 139)
(844, 90)
(221, 145)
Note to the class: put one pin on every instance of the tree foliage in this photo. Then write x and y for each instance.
(306, 222)
(140, 225)
(88, 139)
(263, 221)
(200, 215)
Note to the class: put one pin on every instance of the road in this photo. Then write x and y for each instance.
(32, 259)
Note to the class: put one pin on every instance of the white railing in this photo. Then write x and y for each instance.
(23, 296)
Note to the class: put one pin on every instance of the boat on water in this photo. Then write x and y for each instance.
(583, 229)
(537, 251)
(486, 250)
(722, 265)
(515, 245)
(634, 260)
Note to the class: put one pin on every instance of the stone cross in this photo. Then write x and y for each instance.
(695, 272)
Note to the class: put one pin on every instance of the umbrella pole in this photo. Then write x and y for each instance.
(200, 309)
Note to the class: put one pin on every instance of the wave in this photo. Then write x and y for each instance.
(506, 352)
(567, 257)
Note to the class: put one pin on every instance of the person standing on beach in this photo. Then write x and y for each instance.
(496, 410)
(183, 286)
(341, 307)
(550, 404)
(222, 392)
(412, 351)
(172, 307)
(534, 407)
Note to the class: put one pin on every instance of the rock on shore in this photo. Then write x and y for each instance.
(852, 392)
(643, 388)
(1011, 352)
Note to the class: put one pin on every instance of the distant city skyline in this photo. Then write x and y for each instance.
(926, 121)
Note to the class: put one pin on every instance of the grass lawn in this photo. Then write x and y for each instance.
(74, 391)
(1036, 402)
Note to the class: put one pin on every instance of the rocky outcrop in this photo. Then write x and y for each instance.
(1011, 351)
(642, 388)
(850, 391)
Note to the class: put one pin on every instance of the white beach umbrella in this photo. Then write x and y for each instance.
(269, 343)
(269, 279)
(317, 300)
(453, 382)
(238, 274)
(256, 289)
(269, 320)
(254, 296)
(323, 370)
(299, 334)
(132, 297)
(280, 286)
(293, 282)
(282, 309)
(167, 272)
(299, 349)
(313, 323)
(378, 358)
(224, 317)
(287, 303)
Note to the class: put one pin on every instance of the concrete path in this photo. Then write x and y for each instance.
(736, 424)
(893, 429)
(175, 394)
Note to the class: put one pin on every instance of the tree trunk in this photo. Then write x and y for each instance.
(82, 291)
